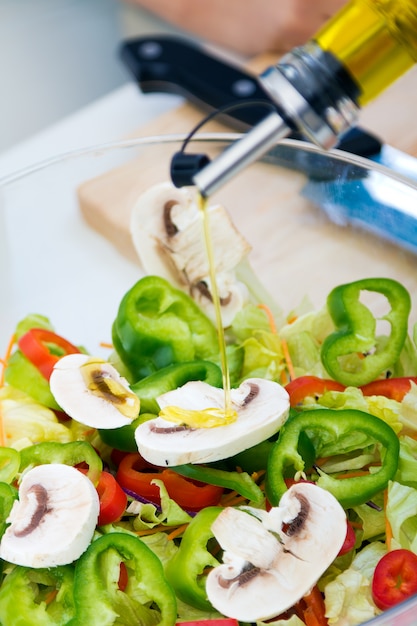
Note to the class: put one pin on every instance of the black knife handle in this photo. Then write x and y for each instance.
(173, 65)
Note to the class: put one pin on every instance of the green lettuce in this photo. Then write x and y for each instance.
(408, 410)
(407, 465)
(27, 422)
(401, 512)
(348, 598)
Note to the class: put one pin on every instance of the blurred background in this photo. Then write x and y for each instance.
(57, 56)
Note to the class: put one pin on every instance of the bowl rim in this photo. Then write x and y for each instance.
(207, 137)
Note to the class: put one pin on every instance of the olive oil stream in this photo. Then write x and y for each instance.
(203, 206)
(211, 416)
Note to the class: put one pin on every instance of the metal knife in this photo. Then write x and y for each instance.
(174, 65)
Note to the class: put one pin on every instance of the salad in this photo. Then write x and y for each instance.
(135, 490)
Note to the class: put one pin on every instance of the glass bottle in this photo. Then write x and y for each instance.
(319, 88)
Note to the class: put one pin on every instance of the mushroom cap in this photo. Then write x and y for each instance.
(73, 396)
(54, 519)
(257, 581)
(261, 417)
(167, 232)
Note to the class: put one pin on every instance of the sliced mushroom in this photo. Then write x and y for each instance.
(261, 408)
(167, 232)
(53, 521)
(273, 560)
(92, 392)
(233, 296)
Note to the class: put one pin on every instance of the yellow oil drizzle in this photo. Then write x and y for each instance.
(202, 202)
(213, 416)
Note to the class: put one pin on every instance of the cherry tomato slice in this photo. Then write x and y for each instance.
(37, 345)
(350, 540)
(135, 474)
(123, 576)
(395, 578)
(304, 386)
(113, 500)
(393, 388)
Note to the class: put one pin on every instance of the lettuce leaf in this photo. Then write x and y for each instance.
(304, 337)
(408, 410)
(401, 512)
(352, 398)
(27, 422)
(348, 598)
(407, 465)
(372, 519)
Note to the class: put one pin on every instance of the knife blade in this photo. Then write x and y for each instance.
(170, 64)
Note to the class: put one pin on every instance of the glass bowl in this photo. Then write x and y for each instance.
(313, 219)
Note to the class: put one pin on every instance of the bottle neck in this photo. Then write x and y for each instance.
(375, 40)
(313, 93)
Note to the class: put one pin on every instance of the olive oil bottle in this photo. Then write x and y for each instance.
(375, 40)
(318, 89)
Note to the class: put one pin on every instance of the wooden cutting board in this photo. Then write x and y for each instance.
(296, 249)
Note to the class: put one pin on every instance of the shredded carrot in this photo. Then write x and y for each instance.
(288, 360)
(314, 612)
(177, 532)
(271, 320)
(388, 529)
(357, 474)
(232, 499)
(257, 475)
(227, 497)
(174, 531)
(321, 460)
(51, 596)
(105, 344)
(292, 319)
(357, 525)
(235, 502)
(151, 531)
(284, 344)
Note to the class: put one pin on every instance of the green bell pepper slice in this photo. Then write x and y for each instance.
(334, 429)
(240, 482)
(185, 570)
(148, 599)
(8, 495)
(256, 458)
(353, 354)
(149, 388)
(157, 325)
(37, 597)
(71, 453)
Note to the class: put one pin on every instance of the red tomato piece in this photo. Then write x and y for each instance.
(393, 388)
(350, 540)
(135, 474)
(395, 578)
(113, 500)
(123, 576)
(305, 386)
(37, 346)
